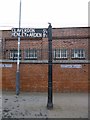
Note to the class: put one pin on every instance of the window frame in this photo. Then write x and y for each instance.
(78, 54)
(60, 53)
(30, 54)
(13, 55)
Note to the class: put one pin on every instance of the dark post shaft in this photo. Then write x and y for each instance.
(50, 96)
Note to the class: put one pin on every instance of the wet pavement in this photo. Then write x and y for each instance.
(34, 105)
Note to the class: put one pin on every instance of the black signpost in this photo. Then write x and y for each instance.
(50, 95)
(36, 33)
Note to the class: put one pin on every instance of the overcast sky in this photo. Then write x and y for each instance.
(37, 13)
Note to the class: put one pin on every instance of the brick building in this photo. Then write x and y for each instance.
(70, 61)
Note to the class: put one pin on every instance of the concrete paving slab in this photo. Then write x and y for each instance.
(34, 105)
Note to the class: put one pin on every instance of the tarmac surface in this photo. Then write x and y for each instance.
(34, 105)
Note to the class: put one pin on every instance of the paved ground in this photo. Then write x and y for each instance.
(33, 105)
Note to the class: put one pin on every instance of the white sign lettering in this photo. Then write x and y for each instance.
(5, 65)
(71, 66)
(29, 32)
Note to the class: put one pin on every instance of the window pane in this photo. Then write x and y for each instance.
(31, 53)
(60, 53)
(77, 53)
(14, 54)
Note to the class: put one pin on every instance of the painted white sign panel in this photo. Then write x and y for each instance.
(71, 66)
(29, 32)
(5, 65)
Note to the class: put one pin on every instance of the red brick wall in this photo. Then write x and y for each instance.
(42, 46)
(70, 31)
(68, 38)
(34, 77)
(70, 79)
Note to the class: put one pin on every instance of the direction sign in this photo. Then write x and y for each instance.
(29, 32)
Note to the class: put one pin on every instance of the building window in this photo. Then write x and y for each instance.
(31, 54)
(60, 53)
(14, 54)
(78, 53)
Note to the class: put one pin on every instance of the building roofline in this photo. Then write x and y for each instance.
(55, 28)
(70, 27)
